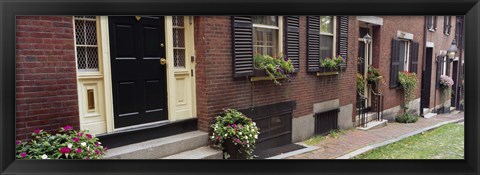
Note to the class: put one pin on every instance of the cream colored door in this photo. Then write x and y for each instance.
(181, 67)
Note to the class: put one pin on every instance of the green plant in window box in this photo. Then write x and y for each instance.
(332, 63)
(275, 67)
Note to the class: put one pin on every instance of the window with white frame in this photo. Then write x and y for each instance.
(86, 45)
(179, 49)
(266, 35)
(405, 54)
(327, 36)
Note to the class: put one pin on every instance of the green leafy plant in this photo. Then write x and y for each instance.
(233, 126)
(360, 84)
(408, 81)
(66, 144)
(406, 118)
(373, 75)
(332, 64)
(276, 68)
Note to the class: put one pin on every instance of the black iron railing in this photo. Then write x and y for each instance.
(361, 111)
(377, 105)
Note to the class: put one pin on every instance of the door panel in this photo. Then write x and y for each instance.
(138, 78)
(427, 79)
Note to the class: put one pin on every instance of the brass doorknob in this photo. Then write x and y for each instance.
(163, 61)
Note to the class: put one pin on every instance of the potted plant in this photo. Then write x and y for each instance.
(235, 134)
(66, 144)
(373, 75)
(273, 67)
(446, 84)
(332, 64)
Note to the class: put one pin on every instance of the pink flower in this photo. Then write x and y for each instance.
(18, 142)
(68, 127)
(65, 150)
(96, 144)
(79, 134)
(76, 139)
(37, 131)
(106, 148)
(89, 136)
(23, 154)
(87, 158)
(79, 150)
(97, 151)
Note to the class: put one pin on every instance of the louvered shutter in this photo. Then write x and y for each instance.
(313, 43)
(292, 40)
(396, 63)
(242, 42)
(439, 70)
(342, 41)
(414, 57)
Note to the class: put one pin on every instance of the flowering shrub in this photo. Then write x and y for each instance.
(233, 126)
(276, 68)
(408, 81)
(446, 81)
(66, 144)
(332, 64)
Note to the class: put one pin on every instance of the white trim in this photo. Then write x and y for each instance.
(430, 44)
(375, 20)
(107, 78)
(265, 26)
(334, 36)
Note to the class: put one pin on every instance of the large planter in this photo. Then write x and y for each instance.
(232, 149)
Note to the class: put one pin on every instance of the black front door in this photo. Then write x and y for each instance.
(138, 78)
(426, 79)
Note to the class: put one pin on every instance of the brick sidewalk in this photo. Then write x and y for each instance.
(356, 139)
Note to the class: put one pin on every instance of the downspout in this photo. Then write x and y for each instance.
(424, 61)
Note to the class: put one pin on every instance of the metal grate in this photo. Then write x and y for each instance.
(178, 41)
(326, 121)
(86, 43)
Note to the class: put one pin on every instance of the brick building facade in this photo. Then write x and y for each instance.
(60, 82)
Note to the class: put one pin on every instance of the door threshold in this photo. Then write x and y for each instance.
(141, 126)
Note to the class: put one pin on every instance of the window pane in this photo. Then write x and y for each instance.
(326, 24)
(265, 41)
(86, 43)
(179, 54)
(266, 20)
(326, 46)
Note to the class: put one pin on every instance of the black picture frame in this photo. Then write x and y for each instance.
(10, 9)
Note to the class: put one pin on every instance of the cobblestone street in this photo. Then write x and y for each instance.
(355, 139)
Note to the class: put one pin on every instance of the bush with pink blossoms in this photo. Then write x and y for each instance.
(66, 144)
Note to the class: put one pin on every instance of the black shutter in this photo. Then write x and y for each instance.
(313, 43)
(396, 62)
(414, 57)
(242, 42)
(429, 22)
(447, 72)
(439, 71)
(292, 40)
(343, 39)
(434, 22)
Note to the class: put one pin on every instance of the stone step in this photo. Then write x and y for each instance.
(374, 125)
(161, 147)
(205, 152)
(429, 115)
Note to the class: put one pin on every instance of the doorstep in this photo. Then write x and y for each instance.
(373, 125)
(161, 147)
(205, 152)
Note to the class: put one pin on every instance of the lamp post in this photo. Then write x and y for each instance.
(452, 50)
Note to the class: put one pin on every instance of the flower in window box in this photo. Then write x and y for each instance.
(332, 63)
(273, 67)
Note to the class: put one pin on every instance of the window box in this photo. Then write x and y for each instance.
(323, 71)
(261, 75)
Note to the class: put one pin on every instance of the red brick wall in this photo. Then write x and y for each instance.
(46, 88)
(441, 42)
(382, 52)
(216, 88)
